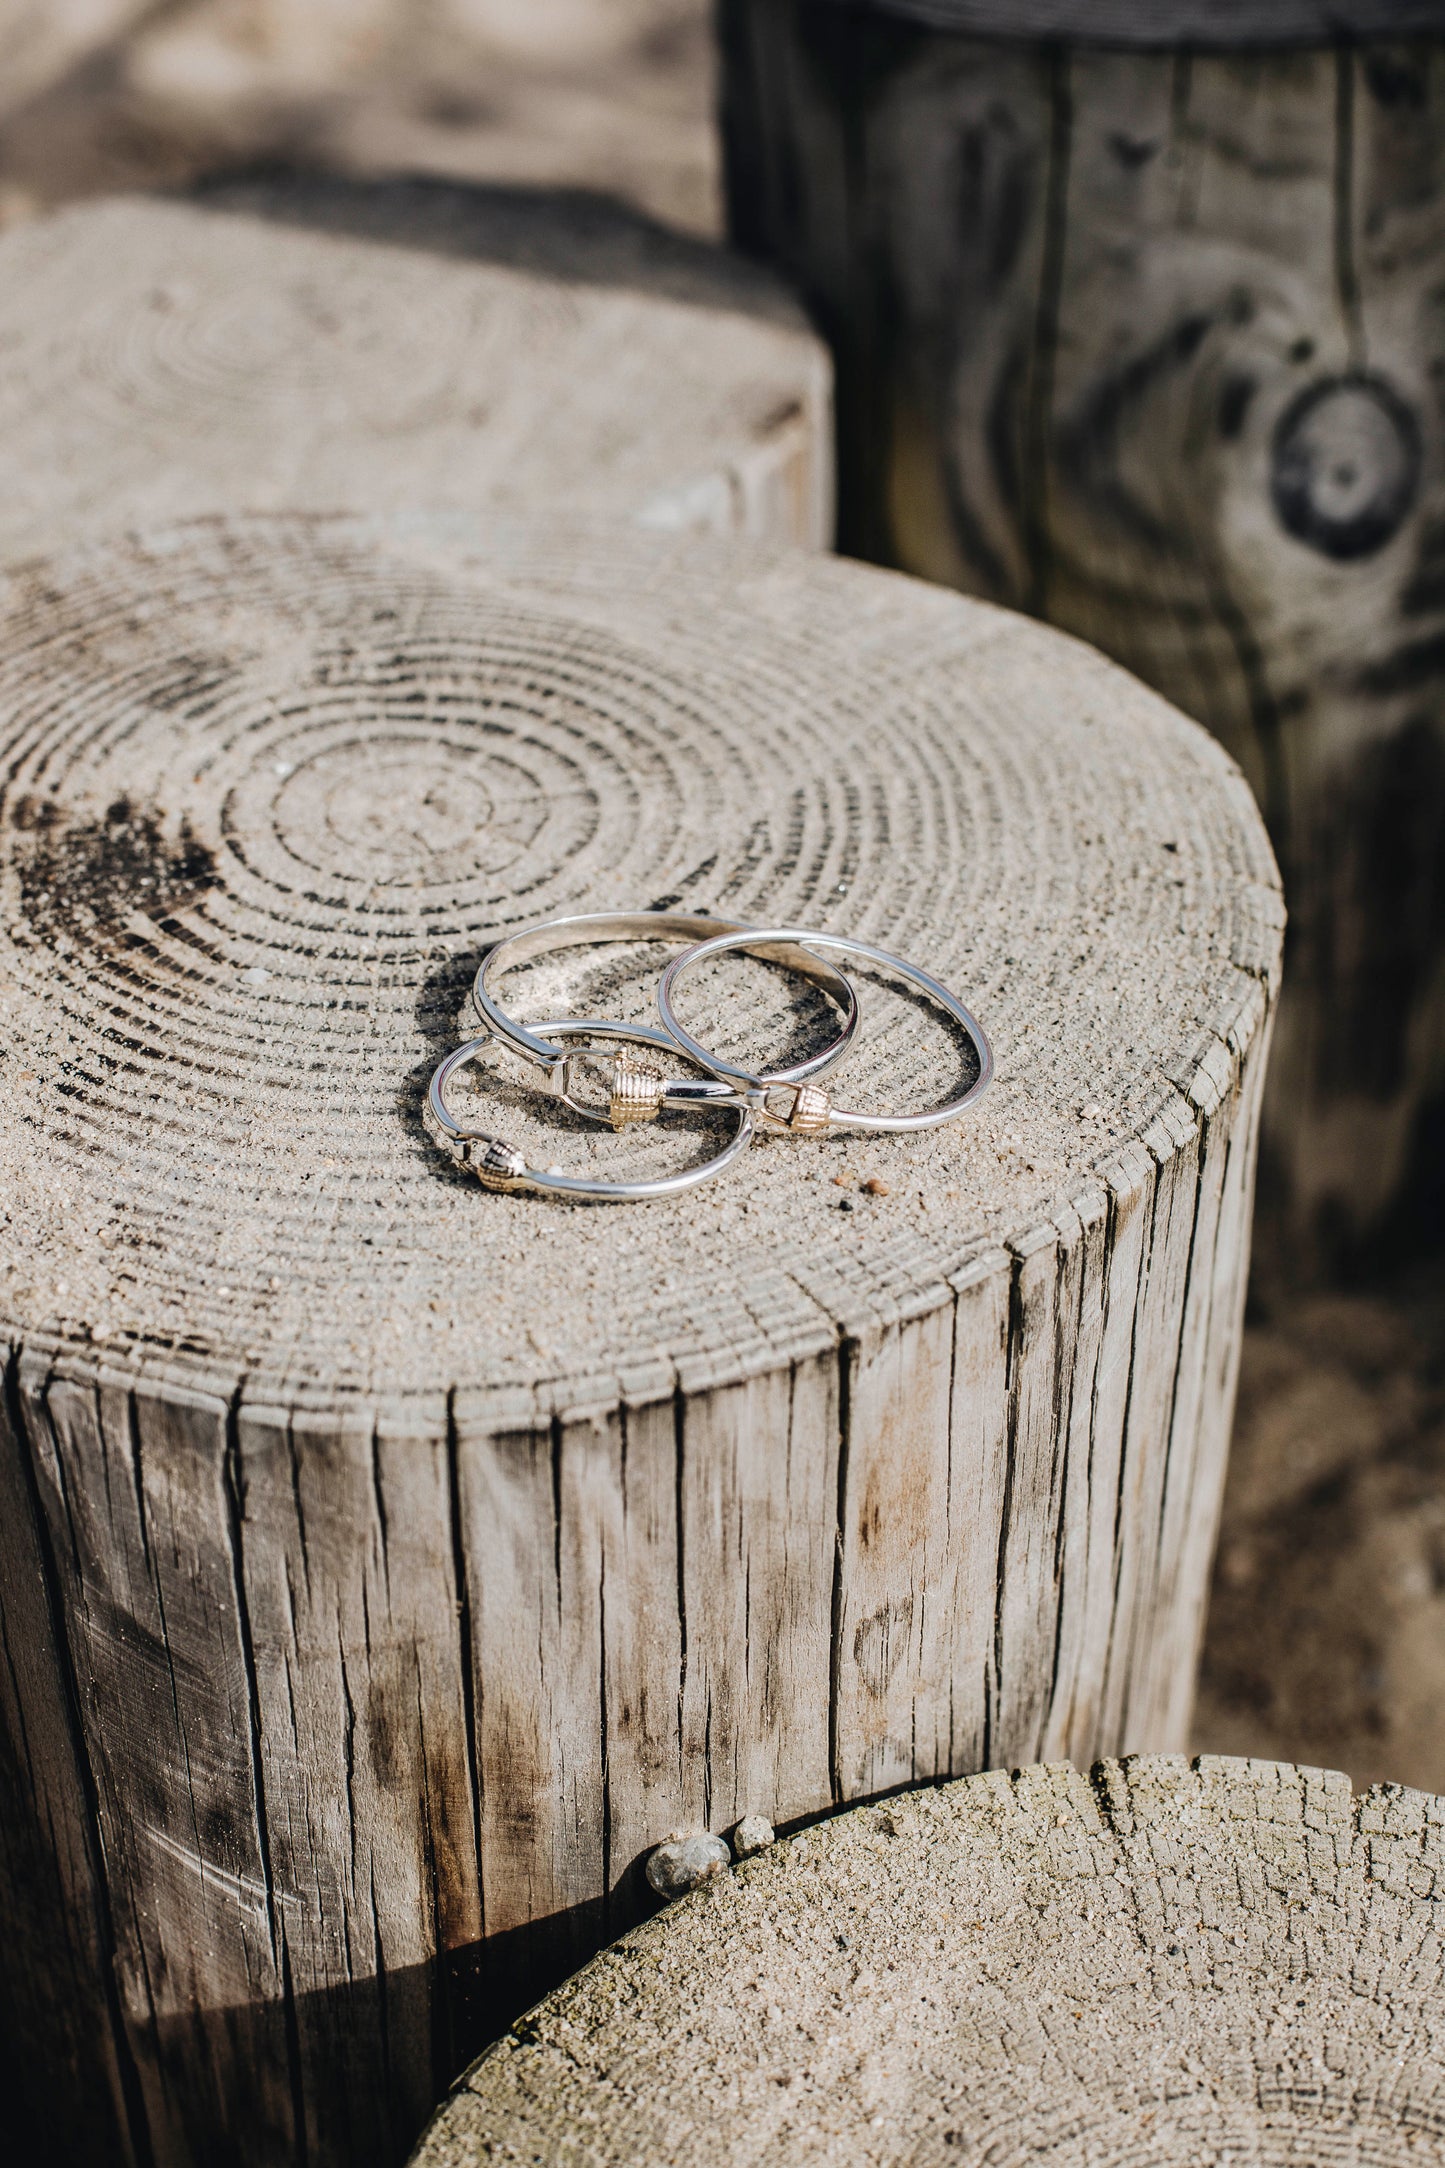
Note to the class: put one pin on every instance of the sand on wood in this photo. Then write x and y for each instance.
(412, 1560)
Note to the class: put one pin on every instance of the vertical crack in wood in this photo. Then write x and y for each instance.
(605, 1737)
(1063, 1442)
(137, 2122)
(138, 1484)
(293, 1459)
(348, 1755)
(235, 1513)
(1111, 1223)
(158, 1592)
(747, 1616)
(471, 1697)
(847, 1355)
(1189, 1276)
(378, 1499)
(1127, 1620)
(1012, 1369)
(679, 1443)
(1072, 1696)
(990, 1713)
(707, 1786)
(1125, 1470)
(948, 1521)
(556, 1440)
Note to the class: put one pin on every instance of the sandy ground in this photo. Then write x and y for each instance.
(1326, 1638)
(1326, 1635)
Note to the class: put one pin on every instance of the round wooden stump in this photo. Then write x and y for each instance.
(335, 346)
(1159, 1963)
(388, 1566)
(1140, 335)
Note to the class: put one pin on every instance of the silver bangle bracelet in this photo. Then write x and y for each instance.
(638, 1092)
(810, 1110)
(498, 1166)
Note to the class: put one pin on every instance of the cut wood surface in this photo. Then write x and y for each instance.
(386, 1566)
(340, 346)
(1181, 1965)
(1150, 344)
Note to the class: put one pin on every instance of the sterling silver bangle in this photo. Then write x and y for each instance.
(808, 1108)
(638, 1091)
(498, 1166)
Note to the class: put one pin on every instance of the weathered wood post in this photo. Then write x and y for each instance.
(353, 346)
(1136, 311)
(386, 1566)
(1230, 1961)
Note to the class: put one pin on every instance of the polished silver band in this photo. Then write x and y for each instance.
(498, 1166)
(808, 1109)
(633, 1098)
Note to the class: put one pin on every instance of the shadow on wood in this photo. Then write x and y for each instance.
(579, 236)
(464, 2003)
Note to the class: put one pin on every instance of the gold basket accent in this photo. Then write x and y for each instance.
(811, 1110)
(636, 1093)
(498, 1166)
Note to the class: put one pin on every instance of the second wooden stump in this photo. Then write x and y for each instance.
(1235, 1962)
(386, 1566)
(1143, 334)
(326, 345)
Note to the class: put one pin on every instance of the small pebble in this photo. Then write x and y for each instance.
(846, 1204)
(679, 1865)
(875, 1186)
(754, 1833)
